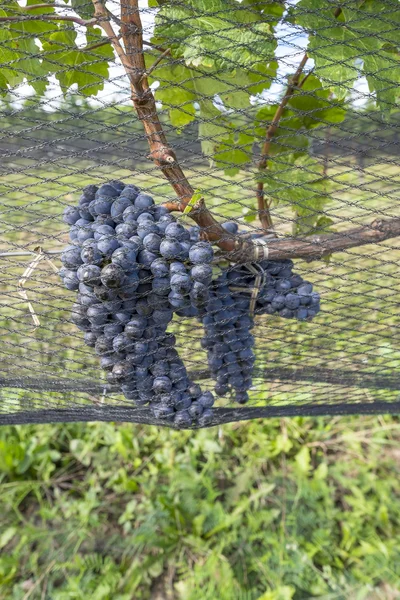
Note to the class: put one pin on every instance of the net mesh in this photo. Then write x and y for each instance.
(331, 164)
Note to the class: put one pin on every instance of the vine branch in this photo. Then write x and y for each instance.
(263, 207)
(132, 59)
(314, 247)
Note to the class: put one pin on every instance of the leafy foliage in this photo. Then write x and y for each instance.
(368, 31)
(273, 510)
(32, 50)
(223, 61)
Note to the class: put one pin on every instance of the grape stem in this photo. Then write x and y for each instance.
(132, 59)
(294, 84)
(263, 206)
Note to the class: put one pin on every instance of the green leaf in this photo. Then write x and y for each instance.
(312, 104)
(175, 91)
(382, 70)
(84, 8)
(7, 536)
(213, 128)
(374, 18)
(287, 138)
(334, 54)
(367, 31)
(82, 66)
(271, 12)
(221, 36)
(193, 200)
(303, 460)
(299, 183)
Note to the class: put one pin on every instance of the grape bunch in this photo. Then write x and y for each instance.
(133, 265)
(228, 339)
(227, 321)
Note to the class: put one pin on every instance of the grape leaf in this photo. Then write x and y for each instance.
(376, 18)
(312, 105)
(299, 183)
(271, 12)
(223, 36)
(175, 91)
(382, 70)
(8, 58)
(367, 31)
(287, 138)
(213, 128)
(84, 8)
(334, 54)
(82, 66)
(20, 56)
(231, 154)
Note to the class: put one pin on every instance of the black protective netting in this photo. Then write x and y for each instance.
(285, 106)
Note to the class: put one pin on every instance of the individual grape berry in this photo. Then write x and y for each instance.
(101, 205)
(202, 273)
(152, 242)
(130, 192)
(90, 253)
(104, 294)
(118, 207)
(159, 267)
(97, 314)
(121, 372)
(206, 418)
(164, 222)
(160, 211)
(90, 339)
(146, 258)
(195, 410)
(70, 280)
(103, 346)
(89, 274)
(71, 215)
(175, 231)
(201, 253)
(125, 258)
(230, 227)
(113, 276)
(143, 201)
(111, 330)
(177, 267)
(71, 257)
(107, 245)
(181, 283)
(170, 249)
(103, 231)
(110, 190)
(182, 419)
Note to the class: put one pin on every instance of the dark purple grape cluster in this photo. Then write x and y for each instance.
(228, 339)
(133, 265)
(227, 321)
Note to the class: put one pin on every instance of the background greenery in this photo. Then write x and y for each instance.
(273, 510)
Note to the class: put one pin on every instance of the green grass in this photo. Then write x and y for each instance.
(273, 510)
